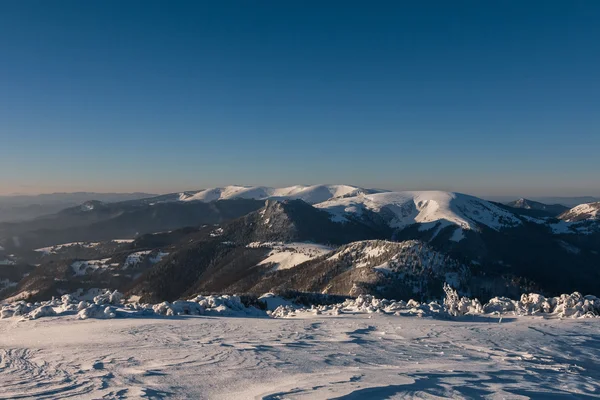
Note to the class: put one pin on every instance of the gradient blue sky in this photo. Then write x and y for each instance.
(481, 97)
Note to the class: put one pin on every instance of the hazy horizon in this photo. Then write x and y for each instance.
(483, 98)
(507, 195)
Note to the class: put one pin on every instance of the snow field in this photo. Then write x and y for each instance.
(350, 356)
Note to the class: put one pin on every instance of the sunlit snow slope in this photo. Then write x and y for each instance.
(582, 212)
(401, 209)
(310, 194)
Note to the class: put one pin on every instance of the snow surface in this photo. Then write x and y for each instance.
(427, 207)
(311, 194)
(7, 262)
(289, 255)
(87, 295)
(356, 352)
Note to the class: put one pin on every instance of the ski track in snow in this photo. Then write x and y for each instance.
(319, 357)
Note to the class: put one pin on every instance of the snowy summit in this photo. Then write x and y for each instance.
(401, 209)
(310, 194)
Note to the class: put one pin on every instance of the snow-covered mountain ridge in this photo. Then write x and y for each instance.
(401, 209)
(582, 212)
(310, 194)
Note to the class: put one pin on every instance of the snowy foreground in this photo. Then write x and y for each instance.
(361, 349)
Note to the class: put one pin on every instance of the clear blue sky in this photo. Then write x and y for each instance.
(474, 96)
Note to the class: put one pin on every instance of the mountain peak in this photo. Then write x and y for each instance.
(522, 203)
(537, 209)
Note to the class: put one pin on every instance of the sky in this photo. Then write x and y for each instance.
(487, 98)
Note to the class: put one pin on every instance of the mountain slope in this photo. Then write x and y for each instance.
(428, 208)
(409, 269)
(582, 212)
(297, 221)
(230, 252)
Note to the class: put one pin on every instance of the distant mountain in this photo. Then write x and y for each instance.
(582, 212)
(537, 209)
(97, 221)
(94, 219)
(310, 194)
(428, 208)
(75, 197)
(567, 201)
(23, 207)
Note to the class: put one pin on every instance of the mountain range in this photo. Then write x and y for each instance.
(333, 239)
(22, 207)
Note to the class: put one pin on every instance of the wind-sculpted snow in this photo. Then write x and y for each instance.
(110, 305)
(565, 306)
(365, 304)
